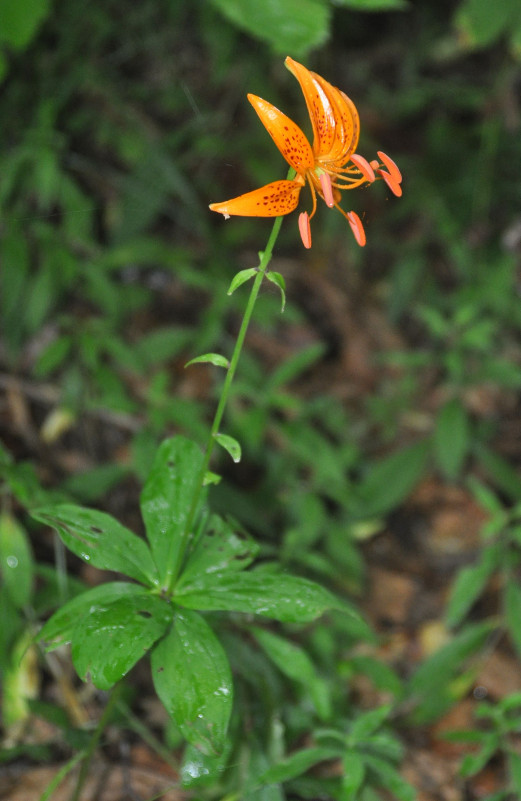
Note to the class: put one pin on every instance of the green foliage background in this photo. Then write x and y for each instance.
(119, 123)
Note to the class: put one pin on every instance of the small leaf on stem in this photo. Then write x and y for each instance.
(212, 358)
(240, 278)
(211, 478)
(278, 279)
(229, 444)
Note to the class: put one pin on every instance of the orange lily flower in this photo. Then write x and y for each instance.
(329, 167)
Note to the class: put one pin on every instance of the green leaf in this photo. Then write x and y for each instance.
(94, 483)
(294, 663)
(223, 547)
(470, 583)
(108, 641)
(203, 770)
(514, 768)
(390, 778)
(167, 498)
(290, 26)
(287, 598)
(229, 444)
(278, 280)
(501, 473)
(192, 678)
(100, 540)
(486, 497)
(211, 478)
(473, 763)
(161, 344)
(513, 613)
(240, 278)
(432, 681)
(367, 723)
(353, 774)
(59, 628)
(515, 43)
(451, 438)
(52, 356)
(212, 358)
(478, 27)
(374, 5)
(296, 365)
(14, 285)
(16, 561)
(297, 763)
(391, 480)
(20, 20)
(382, 676)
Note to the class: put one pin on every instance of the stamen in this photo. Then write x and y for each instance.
(364, 167)
(356, 226)
(327, 189)
(305, 229)
(393, 185)
(313, 196)
(393, 168)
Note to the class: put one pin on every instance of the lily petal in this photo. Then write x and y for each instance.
(319, 106)
(347, 124)
(272, 200)
(289, 138)
(333, 115)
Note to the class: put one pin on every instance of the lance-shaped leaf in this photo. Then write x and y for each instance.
(240, 278)
(294, 663)
(298, 763)
(100, 540)
(278, 280)
(223, 547)
(16, 561)
(59, 628)
(211, 358)
(167, 498)
(111, 639)
(193, 679)
(279, 596)
(230, 444)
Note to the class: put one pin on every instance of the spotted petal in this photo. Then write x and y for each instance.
(272, 200)
(333, 115)
(289, 138)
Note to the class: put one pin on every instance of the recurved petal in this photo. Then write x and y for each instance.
(347, 129)
(333, 115)
(272, 200)
(289, 138)
(320, 109)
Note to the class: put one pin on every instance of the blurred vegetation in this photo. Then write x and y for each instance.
(119, 123)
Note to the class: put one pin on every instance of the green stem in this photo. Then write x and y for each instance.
(265, 258)
(94, 740)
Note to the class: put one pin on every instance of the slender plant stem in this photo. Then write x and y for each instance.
(265, 258)
(94, 740)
